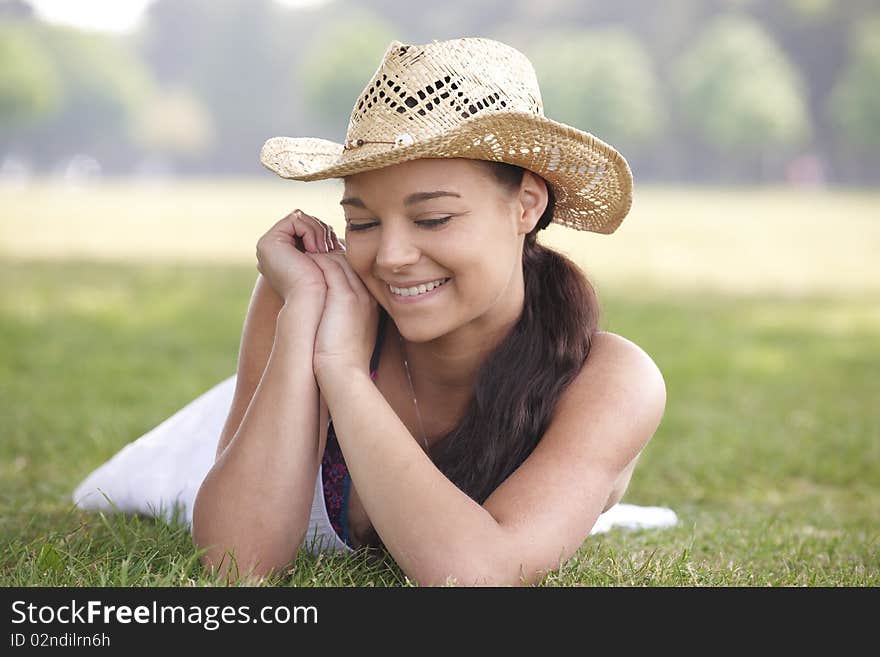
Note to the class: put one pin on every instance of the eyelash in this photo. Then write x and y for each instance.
(431, 223)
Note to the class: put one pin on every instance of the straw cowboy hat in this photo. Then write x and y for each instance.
(466, 98)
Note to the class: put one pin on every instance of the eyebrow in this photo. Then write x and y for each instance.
(412, 199)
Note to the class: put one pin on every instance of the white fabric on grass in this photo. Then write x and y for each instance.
(164, 468)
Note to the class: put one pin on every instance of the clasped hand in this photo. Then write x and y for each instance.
(347, 331)
(305, 263)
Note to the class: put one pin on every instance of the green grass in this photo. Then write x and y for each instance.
(769, 450)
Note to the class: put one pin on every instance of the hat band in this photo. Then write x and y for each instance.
(403, 139)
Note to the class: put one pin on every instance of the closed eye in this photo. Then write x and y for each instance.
(430, 223)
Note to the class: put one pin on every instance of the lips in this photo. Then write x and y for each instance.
(421, 292)
(406, 284)
(418, 290)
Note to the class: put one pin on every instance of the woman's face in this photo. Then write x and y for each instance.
(401, 231)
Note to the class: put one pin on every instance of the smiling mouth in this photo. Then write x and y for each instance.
(419, 290)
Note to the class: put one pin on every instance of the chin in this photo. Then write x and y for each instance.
(414, 329)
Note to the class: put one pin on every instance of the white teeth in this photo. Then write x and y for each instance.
(420, 289)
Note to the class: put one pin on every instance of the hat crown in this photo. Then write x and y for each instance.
(421, 91)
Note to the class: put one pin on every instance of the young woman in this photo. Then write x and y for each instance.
(481, 420)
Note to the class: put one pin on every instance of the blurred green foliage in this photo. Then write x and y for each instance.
(855, 102)
(95, 83)
(602, 79)
(687, 90)
(30, 88)
(104, 83)
(339, 62)
(739, 91)
(237, 60)
(811, 9)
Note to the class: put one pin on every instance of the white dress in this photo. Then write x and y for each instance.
(159, 474)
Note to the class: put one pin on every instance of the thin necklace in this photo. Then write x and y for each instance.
(415, 401)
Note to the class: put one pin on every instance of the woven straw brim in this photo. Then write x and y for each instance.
(591, 181)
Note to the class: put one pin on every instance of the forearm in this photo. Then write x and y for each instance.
(431, 528)
(256, 499)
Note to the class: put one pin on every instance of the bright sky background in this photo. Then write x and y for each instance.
(112, 15)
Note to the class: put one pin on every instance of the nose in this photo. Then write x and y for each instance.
(396, 249)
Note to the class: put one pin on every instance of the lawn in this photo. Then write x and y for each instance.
(121, 303)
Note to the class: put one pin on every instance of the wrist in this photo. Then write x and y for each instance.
(337, 384)
(301, 308)
(330, 373)
(297, 324)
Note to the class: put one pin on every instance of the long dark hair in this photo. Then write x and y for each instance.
(519, 384)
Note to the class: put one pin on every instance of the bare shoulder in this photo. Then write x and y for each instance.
(620, 386)
(619, 379)
(611, 346)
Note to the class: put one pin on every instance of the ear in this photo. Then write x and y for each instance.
(533, 199)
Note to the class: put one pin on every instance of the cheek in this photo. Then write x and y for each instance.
(477, 277)
(485, 276)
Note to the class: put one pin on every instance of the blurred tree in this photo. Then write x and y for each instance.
(811, 10)
(601, 81)
(102, 85)
(232, 73)
(177, 40)
(422, 22)
(333, 78)
(740, 93)
(174, 122)
(30, 90)
(240, 60)
(854, 104)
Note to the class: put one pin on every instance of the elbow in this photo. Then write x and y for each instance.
(213, 556)
(489, 569)
(232, 566)
(217, 563)
(238, 561)
(459, 576)
(481, 571)
(493, 560)
(216, 560)
(233, 552)
(469, 577)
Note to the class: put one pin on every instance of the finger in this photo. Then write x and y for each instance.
(303, 230)
(354, 281)
(290, 231)
(325, 236)
(310, 240)
(353, 278)
(358, 287)
(331, 239)
(334, 274)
